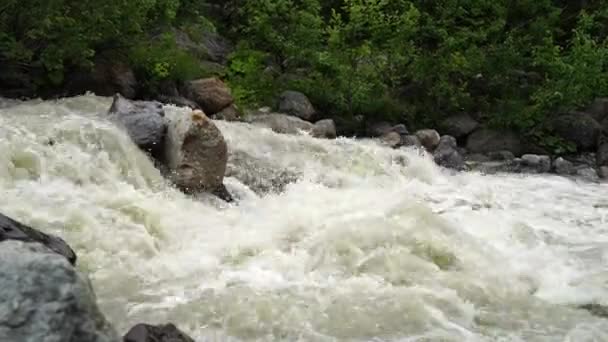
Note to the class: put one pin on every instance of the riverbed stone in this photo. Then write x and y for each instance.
(211, 94)
(282, 123)
(44, 299)
(144, 121)
(14, 230)
(156, 333)
(603, 172)
(485, 140)
(196, 153)
(325, 128)
(411, 140)
(536, 163)
(588, 173)
(578, 128)
(563, 166)
(458, 126)
(602, 155)
(447, 155)
(297, 104)
(429, 138)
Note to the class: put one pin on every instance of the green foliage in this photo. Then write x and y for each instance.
(251, 83)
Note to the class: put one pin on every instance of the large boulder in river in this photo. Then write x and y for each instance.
(429, 138)
(487, 140)
(43, 298)
(211, 94)
(325, 128)
(458, 126)
(106, 78)
(282, 123)
(447, 155)
(297, 104)
(13, 230)
(578, 128)
(156, 333)
(144, 121)
(195, 152)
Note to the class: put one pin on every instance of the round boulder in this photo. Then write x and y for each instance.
(211, 94)
(485, 140)
(458, 126)
(296, 104)
(325, 128)
(578, 128)
(429, 138)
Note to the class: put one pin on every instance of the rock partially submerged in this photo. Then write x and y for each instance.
(13, 230)
(429, 138)
(144, 121)
(282, 123)
(196, 153)
(447, 155)
(260, 175)
(156, 333)
(211, 94)
(43, 299)
(486, 140)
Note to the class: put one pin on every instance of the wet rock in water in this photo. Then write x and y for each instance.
(588, 174)
(196, 153)
(262, 176)
(563, 167)
(501, 155)
(602, 155)
(486, 140)
(401, 129)
(578, 128)
(429, 138)
(211, 94)
(178, 101)
(282, 123)
(411, 140)
(43, 298)
(325, 128)
(603, 172)
(458, 126)
(156, 333)
(13, 230)
(446, 154)
(296, 104)
(144, 121)
(230, 113)
(536, 163)
(391, 139)
(596, 309)
(378, 129)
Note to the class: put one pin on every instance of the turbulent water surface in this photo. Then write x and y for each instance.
(370, 244)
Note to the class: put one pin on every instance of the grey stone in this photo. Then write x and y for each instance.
(211, 94)
(578, 128)
(325, 128)
(13, 230)
(282, 123)
(43, 299)
(486, 140)
(602, 155)
(429, 138)
(588, 173)
(446, 154)
(598, 109)
(378, 129)
(458, 126)
(411, 140)
(230, 113)
(144, 121)
(603, 172)
(156, 333)
(296, 104)
(401, 129)
(391, 139)
(563, 167)
(536, 163)
(195, 153)
(501, 155)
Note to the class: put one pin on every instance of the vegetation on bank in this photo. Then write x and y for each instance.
(508, 63)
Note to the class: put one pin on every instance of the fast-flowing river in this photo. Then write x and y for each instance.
(370, 243)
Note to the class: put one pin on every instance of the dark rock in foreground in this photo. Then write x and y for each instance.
(458, 126)
(13, 230)
(156, 333)
(596, 309)
(446, 154)
(43, 299)
(144, 121)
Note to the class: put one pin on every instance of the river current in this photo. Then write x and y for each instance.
(369, 244)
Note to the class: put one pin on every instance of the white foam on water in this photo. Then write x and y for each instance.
(370, 244)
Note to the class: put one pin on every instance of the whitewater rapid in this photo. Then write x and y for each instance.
(369, 244)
